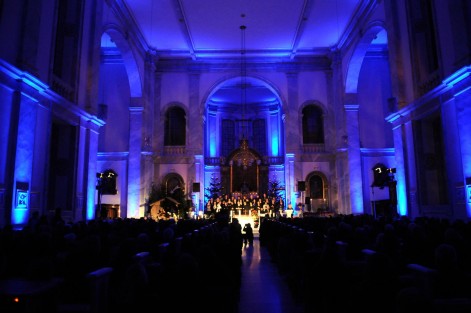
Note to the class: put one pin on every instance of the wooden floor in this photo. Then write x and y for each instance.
(263, 289)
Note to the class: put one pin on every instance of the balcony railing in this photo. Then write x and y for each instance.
(273, 160)
(314, 148)
(63, 89)
(266, 160)
(214, 161)
(174, 150)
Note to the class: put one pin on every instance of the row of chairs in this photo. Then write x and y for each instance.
(330, 272)
(101, 266)
(194, 271)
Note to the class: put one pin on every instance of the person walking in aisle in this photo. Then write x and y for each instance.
(248, 234)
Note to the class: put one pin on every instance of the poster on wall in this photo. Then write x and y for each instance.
(21, 199)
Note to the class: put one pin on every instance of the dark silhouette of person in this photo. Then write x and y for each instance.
(248, 233)
(57, 218)
(450, 280)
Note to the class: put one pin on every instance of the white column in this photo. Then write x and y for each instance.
(81, 188)
(289, 178)
(90, 169)
(24, 125)
(195, 125)
(213, 135)
(292, 136)
(400, 175)
(199, 177)
(274, 134)
(354, 159)
(134, 162)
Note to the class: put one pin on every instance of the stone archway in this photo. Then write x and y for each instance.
(229, 120)
(173, 183)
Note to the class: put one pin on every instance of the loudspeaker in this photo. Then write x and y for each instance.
(108, 182)
(196, 187)
(307, 200)
(301, 185)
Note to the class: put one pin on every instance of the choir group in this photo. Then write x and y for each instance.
(251, 204)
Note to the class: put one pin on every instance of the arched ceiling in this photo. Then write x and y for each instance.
(211, 28)
(257, 96)
(205, 29)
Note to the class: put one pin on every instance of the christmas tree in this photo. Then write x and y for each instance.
(275, 189)
(214, 190)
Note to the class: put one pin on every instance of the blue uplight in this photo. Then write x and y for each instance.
(401, 198)
(274, 145)
(212, 146)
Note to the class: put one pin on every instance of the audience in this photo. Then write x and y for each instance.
(343, 262)
(52, 248)
(361, 263)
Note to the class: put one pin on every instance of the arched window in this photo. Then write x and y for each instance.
(175, 127)
(313, 125)
(228, 137)
(259, 136)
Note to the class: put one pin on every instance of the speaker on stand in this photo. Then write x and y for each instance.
(301, 189)
(196, 203)
(301, 185)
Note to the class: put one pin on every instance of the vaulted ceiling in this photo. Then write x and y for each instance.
(274, 27)
(285, 29)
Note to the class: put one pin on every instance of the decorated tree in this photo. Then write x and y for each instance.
(214, 190)
(275, 189)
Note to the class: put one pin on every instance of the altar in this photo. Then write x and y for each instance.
(247, 218)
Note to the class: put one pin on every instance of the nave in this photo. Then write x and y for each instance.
(262, 288)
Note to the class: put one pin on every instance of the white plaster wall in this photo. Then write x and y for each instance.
(175, 88)
(313, 86)
(114, 136)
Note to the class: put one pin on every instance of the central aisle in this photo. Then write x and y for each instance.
(262, 288)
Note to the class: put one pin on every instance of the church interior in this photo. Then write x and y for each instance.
(316, 100)
(336, 112)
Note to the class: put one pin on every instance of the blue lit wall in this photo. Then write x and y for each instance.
(356, 185)
(24, 154)
(461, 81)
(401, 197)
(466, 155)
(212, 135)
(91, 202)
(212, 146)
(5, 122)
